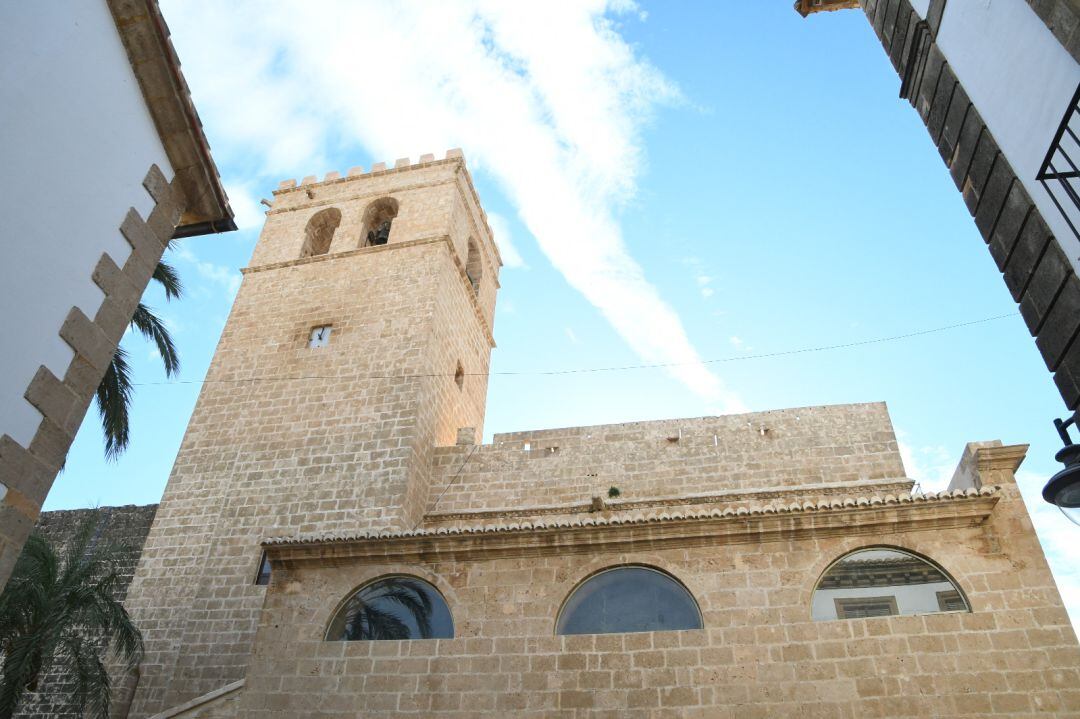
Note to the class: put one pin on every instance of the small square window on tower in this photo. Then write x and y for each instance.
(320, 336)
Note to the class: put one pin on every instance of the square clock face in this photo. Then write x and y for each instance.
(320, 336)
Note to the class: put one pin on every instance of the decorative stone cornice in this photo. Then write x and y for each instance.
(157, 69)
(648, 530)
(801, 493)
(1006, 458)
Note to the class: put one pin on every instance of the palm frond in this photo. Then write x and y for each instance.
(61, 609)
(169, 279)
(113, 403)
(153, 328)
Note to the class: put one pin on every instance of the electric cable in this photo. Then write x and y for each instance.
(616, 368)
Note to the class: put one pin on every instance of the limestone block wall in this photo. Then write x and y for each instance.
(758, 655)
(126, 526)
(669, 459)
(289, 438)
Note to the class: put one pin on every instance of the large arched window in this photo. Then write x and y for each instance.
(378, 217)
(396, 607)
(880, 582)
(628, 599)
(320, 232)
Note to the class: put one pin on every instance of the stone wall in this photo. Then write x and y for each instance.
(758, 655)
(808, 448)
(126, 526)
(287, 438)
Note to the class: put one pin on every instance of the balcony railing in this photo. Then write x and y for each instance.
(1060, 174)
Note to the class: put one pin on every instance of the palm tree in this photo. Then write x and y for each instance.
(60, 613)
(370, 614)
(114, 392)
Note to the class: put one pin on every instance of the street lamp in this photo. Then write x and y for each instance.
(1063, 489)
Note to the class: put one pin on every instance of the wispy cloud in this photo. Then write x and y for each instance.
(501, 229)
(226, 278)
(555, 125)
(570, 335)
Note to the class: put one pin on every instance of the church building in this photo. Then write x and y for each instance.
(336, 541)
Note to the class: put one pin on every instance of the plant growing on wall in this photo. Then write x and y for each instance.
(61, 612)
(114, 394)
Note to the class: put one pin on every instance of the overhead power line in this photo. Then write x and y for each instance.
(616, 368)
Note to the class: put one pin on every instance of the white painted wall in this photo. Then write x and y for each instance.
(1021, 80)
(76, 140)
(910, 599)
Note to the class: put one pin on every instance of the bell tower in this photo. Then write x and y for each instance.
(359, 341)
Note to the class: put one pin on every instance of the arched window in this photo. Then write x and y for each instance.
(320, 231)
(396, 607)
(880, 582)
(378, 217)
(473, 266)
(628, 599)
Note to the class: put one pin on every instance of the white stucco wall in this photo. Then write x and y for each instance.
(1021, 80)
(76, 140)
(912, 599)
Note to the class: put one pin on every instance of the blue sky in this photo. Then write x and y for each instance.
(669, 183)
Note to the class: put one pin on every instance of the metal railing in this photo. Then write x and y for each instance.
(1059, 169)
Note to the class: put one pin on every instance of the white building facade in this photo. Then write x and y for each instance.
(104, 162)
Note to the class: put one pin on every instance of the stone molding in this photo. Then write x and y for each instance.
(432, 240)
(1007, 458)
(1063, 19)
(873, 514)
(153, 60)
(28, 472)
(200, 702)
(1033, 265)
(805, 491)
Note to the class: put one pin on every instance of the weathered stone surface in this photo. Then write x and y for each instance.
(1067, 377)
(993, 197)
(953, 123)
(942, 100)
(1026, 253)
(1061, 325)
(928, 82)
(1013, 215)
(966, 142)
(1045, 284)
(905, 21)
(982, 163)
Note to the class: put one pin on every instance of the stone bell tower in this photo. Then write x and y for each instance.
(359, 341)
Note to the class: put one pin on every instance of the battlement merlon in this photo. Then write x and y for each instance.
(776, 451)
(292, 195)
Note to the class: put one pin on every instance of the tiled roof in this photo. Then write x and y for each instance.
(641, 517)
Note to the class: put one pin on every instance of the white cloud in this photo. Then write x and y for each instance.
(931, 466)
(1058, 537)
(501, 229)
(572, 337)
(738, 343)
(228, 279)
(246, 209)
(555, 124)
(706, 292)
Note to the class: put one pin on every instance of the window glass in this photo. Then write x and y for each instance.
(628, 599)
(393, 608)
(263, 577)
(884, 582)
